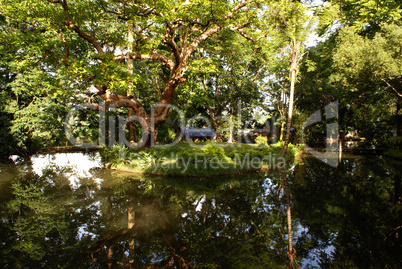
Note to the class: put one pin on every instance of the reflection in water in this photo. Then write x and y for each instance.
(291, 252)
(349, 216)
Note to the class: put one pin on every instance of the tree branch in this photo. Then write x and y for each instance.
(154, 57)
(243, 34)
(170, 42)
(206, 34)
(392, 87)
(66, 48)
(75, 28)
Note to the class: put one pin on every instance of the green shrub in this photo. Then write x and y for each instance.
(211, 151)
(261, 140)
(111, 154)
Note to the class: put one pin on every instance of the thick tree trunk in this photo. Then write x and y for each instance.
(132, 136)
(215, 118)
(149, 135)
(149, 122)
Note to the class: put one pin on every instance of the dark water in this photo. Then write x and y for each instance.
(66, 211)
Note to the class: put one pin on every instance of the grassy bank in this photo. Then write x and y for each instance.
(198, 160)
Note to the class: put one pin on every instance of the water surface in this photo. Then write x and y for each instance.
(66, 211)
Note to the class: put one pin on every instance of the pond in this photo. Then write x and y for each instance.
(65, 210)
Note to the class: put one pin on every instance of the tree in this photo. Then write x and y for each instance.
(366, 15)
(357, 64)
(293, 26)
(227, 77)
(372, 66)
(90, 40)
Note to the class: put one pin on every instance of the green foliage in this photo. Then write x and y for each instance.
(370, 68)
(366, 15)
(111, 154)
(8, 144)
(211, 151)
(361, 72)
(47, 65)
(204, 160)
(375, 58)
(261, 140)
(41, 123)
(84, 125)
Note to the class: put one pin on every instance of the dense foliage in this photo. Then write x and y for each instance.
(234, 64)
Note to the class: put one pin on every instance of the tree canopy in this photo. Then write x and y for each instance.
(205, 57)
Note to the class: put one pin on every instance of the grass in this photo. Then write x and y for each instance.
(203, 160)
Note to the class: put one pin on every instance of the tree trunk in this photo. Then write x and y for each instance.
(132, 136)
(282, 131)
(149, 135)
(231, 131)
(293, 73)
(290, 111)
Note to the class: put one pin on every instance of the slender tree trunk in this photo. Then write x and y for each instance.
(282, 131)
(132, 137)
(231, 131)
(282, 111)
(290, 112)
(293, 74)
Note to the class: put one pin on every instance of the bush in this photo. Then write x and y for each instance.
(211, 151)
(261, 140)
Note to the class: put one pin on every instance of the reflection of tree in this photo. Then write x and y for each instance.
(175, 224)
(291, 252)
(181, 223)
(181, 227)
(131, 221)
(39, 221)
(351, 210)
